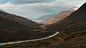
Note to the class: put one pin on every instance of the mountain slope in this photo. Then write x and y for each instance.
(14, 28)
(77, 18)
(10, 30)
(11, 24)
(2, 10)
(20, 20)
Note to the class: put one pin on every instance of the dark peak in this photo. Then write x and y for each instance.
(84, 5)
(82, 8)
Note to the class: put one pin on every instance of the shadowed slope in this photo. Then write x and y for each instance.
(20, 20)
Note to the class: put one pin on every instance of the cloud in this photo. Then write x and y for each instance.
(6, 6)
(31, 10)
(37, 8)
(25, 1)
(69, 3)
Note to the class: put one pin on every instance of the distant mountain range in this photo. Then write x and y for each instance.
(58, 17)
(46, 17)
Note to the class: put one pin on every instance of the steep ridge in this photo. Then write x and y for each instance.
(20, 20)
(75, 19)
(60, 16)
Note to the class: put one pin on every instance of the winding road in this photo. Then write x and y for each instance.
(29, 40)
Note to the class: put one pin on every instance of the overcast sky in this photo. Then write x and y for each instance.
(36, 8)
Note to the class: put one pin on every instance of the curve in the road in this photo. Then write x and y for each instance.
(29, 40)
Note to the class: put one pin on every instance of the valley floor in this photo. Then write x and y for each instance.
(72, 40)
